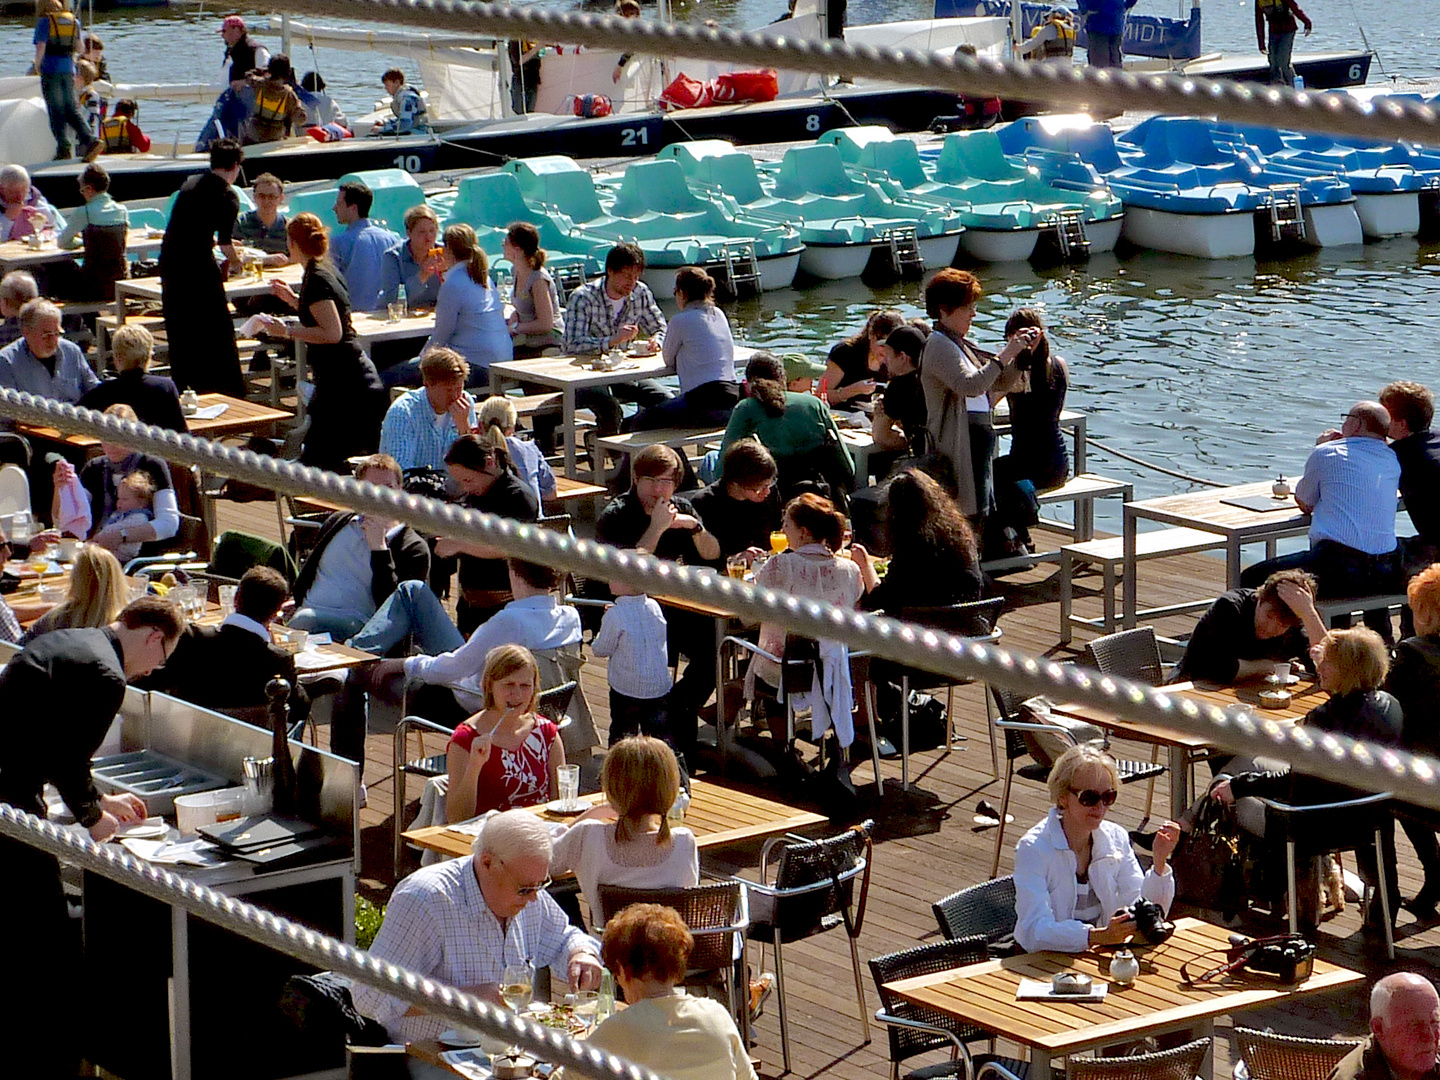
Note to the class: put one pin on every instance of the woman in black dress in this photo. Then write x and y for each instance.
(1038, 459)
(853, 364)
(349, 400)
(192, 287)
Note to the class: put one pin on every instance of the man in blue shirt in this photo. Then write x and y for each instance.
(1104, 30)
(42, 362)
(360, 248)
(1349, 489)
(421, 425)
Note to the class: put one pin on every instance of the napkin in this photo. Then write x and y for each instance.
(211, 412)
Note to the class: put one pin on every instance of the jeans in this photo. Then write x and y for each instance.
(1104, 50)
(1341, 571)
(339, 627)
(604, 402)
(637, 716)
(64, 109)
(1282, 71)
(412, 609)
(705, 406)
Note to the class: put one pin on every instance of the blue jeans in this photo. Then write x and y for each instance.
(64, 109)
(1340, 571)
(411, 609)
(1282, 71)
(339, 627)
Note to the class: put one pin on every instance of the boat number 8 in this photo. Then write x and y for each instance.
(408, 162)
(812, 122)
(634, 137)
(1354, 73)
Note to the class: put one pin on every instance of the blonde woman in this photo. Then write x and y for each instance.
(153, 397)
(499, 413)
(629, 841)
(469, 316)
(98, 591)
(505, 756)
(1075, 872)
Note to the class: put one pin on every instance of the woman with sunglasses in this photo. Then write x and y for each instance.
(1076, 873)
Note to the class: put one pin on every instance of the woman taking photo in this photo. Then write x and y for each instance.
(1075, 872)
(647, 947)
(958, 378)
(1351, 666)
(506, 756)
(410, 263)
(796, 428)
(627, 840)
(349, 400)
(700, 350)
(469, 316)
(934, 558)
(538, 325)
(97, 593)
(853, 363)
(1038, 459)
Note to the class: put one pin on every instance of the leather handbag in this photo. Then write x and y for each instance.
(1208, 866)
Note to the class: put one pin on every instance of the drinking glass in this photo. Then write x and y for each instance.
(517, 987)
(395, 311)
(569, 781)
(139, 585)
(586, 1002)
(227, 600)
(778, 542)
(735, 567)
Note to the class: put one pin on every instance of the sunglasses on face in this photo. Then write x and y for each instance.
(1089, 798)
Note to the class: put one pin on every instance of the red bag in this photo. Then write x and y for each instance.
(735, 87)
(589, 106)
(685, 93)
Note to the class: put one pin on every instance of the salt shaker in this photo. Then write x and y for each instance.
(189, 402)
(1280, 489)
(1124, 967)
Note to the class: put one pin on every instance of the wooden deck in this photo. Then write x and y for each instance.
(929, 845)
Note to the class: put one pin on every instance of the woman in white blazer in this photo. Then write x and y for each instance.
(1075, 872)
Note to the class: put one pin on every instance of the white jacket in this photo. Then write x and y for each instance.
(1045, 884)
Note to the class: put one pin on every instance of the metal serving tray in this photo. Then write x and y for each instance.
(154, 777)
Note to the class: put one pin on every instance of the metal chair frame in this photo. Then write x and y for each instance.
(912, 1022)
(1133, 654)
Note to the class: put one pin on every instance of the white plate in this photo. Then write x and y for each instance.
(149, 829)
(567, 809)
(456, 1039)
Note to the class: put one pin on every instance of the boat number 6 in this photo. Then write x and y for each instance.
(1354, 73)
(634, 136)
(812, 122)
(408, 162)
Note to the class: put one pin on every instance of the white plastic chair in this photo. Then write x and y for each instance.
(14, 489)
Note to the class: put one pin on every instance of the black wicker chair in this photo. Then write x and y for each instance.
(1180, 1063)
(1269, 1056)
(916, 1030)
(986, 910)
(1132, 654)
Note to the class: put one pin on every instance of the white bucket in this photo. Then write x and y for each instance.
(207, 808)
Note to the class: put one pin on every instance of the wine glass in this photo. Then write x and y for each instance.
(517, 987)
(779, 542)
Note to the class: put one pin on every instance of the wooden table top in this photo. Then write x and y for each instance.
(575, 371)
(239, 418)
(17, 254)
(717, 815)
(240, 285)
(984, 993)
(371, 326)
(1204, 510)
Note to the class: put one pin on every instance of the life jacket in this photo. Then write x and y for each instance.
(408, 91)
(115, 134)
(270, 103)
(64, 34)
(1063, 44)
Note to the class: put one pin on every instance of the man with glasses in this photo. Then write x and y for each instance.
(64, 690)
(650, 518)
(264, 227)
(1350, 488)
(461, 922)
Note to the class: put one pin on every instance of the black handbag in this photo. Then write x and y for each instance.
(1208, 866)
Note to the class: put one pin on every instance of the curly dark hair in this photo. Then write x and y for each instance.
(926, 528)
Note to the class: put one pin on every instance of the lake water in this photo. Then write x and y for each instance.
(1223, 370)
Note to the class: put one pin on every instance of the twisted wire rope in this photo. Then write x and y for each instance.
(1333, 757)
(311, 946)
(1060, 85)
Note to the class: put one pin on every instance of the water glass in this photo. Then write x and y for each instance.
(395, 311)
(735, 567)
(227, 600)
(569, 780)
(20, 527)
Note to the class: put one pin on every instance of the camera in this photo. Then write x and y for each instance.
(1150, 921)
(1288, 958)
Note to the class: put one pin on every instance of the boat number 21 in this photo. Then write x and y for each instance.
(634, 136)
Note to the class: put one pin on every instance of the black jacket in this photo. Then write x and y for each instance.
(153, 397)
(406, 557)
(227, 667)
(1415, 683)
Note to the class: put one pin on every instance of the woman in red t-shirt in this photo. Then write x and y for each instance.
(504, 756)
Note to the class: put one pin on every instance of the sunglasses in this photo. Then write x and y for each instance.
(1090, 798)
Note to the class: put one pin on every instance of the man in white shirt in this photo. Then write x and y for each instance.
(460, 922)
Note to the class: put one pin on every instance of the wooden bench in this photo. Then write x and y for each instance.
(1339, 606)
(1109, 555)
(635, 441)
(1082, 490)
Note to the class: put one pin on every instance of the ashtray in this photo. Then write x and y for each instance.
(1274, 699)
(1071, 982)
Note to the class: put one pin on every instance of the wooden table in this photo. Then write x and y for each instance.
(1204, 510)
(1181, 746)
(373, 326)
(236, 288)
(570, 373)
(984, 994)
(18, 255)
(717, 815)
(239, 418)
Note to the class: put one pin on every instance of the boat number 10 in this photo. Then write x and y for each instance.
(409, 162)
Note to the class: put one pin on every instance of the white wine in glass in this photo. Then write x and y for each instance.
(517, 986)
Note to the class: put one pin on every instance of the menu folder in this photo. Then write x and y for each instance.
(314, 849)
(254, 833)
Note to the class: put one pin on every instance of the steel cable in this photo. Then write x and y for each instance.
(1062, 86)
(1333, 757)
(312, 947)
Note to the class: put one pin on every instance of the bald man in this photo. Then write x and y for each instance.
(1404, 1040)
(1350, 489)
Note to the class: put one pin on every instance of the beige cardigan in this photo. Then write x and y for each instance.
(950, 373)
